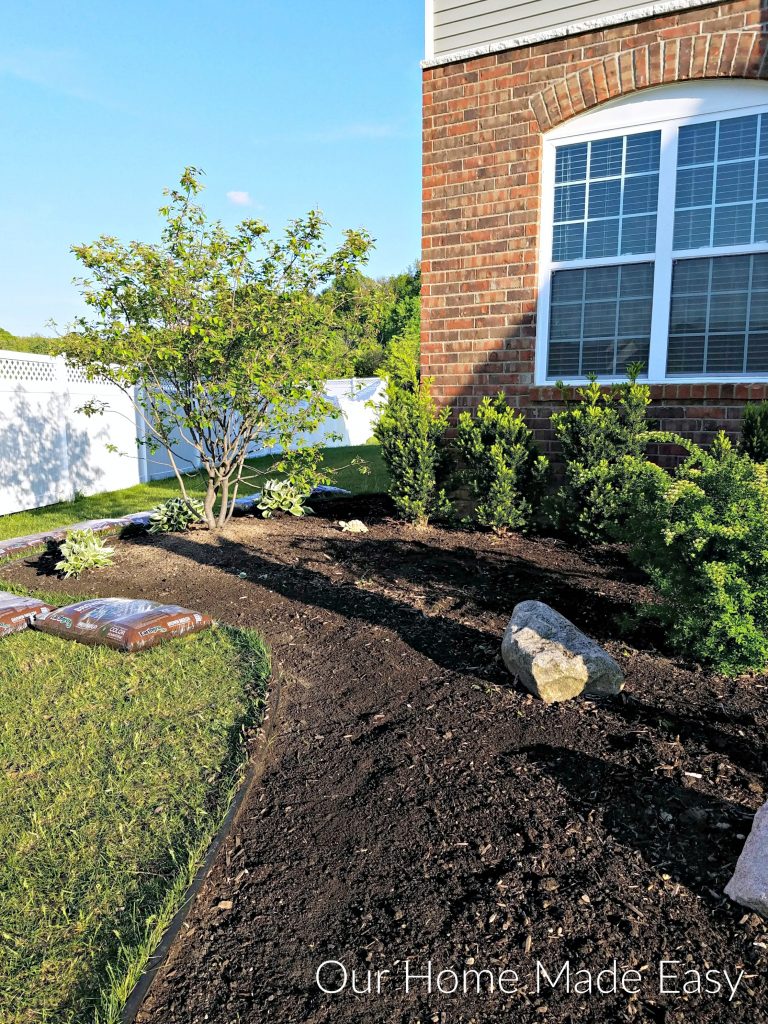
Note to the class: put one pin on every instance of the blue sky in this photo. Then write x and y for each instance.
(286, 105)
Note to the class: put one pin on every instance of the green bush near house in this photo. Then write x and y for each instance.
(597, 433)
(754, 431)
(411, 430)
(701, 534)
(116, 772)
(502, 467)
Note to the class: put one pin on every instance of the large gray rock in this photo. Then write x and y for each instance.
(553, 659)
(749, 885)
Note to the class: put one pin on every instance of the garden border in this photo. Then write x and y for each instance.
(257, 763)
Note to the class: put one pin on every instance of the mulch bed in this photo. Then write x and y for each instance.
(416, 803)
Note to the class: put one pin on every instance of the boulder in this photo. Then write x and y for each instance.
(553, 659)
(749, 885)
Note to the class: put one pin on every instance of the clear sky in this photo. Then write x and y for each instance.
(286, 105)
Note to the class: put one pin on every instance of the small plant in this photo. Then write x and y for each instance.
(701, 534)
(283, 496)
(83, 550)
(754, 431)
(176, 515)
(501, 464)
(598, 434)
(410, 431)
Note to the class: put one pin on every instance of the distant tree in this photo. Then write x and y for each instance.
(374, 315)
(218, 337)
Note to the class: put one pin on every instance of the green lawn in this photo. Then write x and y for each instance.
(115, 772)
(145, 496)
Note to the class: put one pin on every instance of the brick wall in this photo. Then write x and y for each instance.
(483, 125)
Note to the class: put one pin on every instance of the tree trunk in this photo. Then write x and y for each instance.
(210, 501)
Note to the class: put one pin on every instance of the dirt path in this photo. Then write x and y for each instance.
(417, 805)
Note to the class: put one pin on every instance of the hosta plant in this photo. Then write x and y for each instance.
(282, 496)
(176, 515)
(83, 550)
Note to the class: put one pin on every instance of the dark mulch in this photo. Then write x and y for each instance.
(416, 803)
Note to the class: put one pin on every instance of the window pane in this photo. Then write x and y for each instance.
(694, 186)
(600, 187)
(642, 152)
(761, 222)
(601, 281)
(719, 180)
(719, 315)
(692, 229)
(696, 144)
(571, 163)
(569, 202)
(566, 322)
(641, 194)
(762, 177)
(688, 314)
(737, 138)
(733, 225)
(568, 242)
(636, 280)
(725, 353)
(568, 287)
(605, 198)
(606, 157)
(735, 182)
(564, 360)
(638, 235)
(757, 353)
(685, 354)
(602, 238)
(600, 319)
(607, 311)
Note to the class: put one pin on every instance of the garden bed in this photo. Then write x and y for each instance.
(416, 803)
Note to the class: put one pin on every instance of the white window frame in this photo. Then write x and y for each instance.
(665, 109)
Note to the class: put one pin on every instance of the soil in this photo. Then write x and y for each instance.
(416, 803)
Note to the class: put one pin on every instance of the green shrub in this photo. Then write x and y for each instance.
(501, 465)
(701, 534)
(83, 550)
(597, 434)
(282, 496)
(410, 431)
(754, 431)
(176, 515)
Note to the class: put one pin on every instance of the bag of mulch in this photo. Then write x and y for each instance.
(16, 613)
(124, 624)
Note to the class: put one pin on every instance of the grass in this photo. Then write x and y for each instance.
(145, 496)
(115, 773)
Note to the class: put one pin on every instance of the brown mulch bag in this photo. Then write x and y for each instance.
(16, 613)
(124, 624)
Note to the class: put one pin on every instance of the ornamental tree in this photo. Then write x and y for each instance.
(218, 338)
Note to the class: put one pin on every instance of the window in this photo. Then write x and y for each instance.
(654, 240)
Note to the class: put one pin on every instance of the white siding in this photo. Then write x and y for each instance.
(459, 25)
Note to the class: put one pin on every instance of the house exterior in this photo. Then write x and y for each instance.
(595, 194)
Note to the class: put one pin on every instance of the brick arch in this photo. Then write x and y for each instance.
(739, 54)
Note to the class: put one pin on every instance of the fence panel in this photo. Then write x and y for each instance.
(49, 451)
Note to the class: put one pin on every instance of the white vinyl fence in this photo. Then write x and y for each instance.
(49, 451)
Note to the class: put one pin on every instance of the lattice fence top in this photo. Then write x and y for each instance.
(39, 371)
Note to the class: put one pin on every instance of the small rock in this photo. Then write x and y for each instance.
(553, 659)
(749, 885)
(224, 905)
(353, 526)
